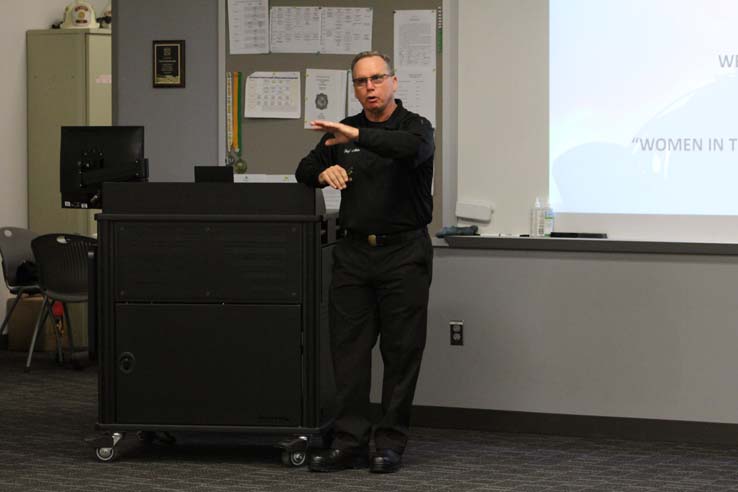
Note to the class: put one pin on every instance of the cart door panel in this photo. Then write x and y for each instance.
(208, 364)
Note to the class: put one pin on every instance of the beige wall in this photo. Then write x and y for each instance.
(22, 16)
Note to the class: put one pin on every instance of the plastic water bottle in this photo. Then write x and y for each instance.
(548, 220)
(536, 219)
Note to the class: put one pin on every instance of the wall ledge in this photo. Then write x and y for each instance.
(588, 245)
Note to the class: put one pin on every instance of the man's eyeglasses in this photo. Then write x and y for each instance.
(376, 79)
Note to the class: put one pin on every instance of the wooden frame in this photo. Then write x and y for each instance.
(168, 65)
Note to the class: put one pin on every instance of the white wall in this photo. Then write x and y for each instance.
(503, 107)
(20, 17)
(605, 334)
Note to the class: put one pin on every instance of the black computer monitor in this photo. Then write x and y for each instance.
(92, 155)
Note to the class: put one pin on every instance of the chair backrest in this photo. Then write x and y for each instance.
(62, 262)
(15, 248)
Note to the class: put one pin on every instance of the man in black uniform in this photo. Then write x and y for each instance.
(382, 161)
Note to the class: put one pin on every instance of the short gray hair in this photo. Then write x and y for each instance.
(367, 54)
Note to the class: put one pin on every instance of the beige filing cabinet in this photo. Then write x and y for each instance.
(69, 84)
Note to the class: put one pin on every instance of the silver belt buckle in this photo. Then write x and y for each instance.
(372, 239)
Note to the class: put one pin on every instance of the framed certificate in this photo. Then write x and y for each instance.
(169, 64)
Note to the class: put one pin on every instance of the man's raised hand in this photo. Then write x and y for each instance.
(341, 133)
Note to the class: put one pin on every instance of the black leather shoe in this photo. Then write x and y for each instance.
(332, 460)
(385, 461)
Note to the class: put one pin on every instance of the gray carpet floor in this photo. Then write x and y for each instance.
(45, 414)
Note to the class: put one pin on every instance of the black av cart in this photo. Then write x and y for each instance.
(211, 306)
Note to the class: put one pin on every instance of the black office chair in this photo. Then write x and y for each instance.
(63, 268)
(18, 266)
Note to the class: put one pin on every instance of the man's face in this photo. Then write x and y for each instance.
(374, 96)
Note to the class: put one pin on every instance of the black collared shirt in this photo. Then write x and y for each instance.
(391, 169)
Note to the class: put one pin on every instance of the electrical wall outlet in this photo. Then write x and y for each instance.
(456, 329)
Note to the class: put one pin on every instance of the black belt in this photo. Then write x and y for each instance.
(385, 239)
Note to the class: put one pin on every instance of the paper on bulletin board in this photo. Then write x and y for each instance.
(324, 90)
(346, 31)
(415, 38)
(295, 29)
(416, 88)
(273, 95)
(248, 26)
(415, 61)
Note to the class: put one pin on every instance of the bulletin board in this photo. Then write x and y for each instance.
(275, 146)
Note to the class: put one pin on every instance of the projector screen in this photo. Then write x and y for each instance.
(642, 100)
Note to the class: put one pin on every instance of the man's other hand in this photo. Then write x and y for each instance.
(341, 133)
(335, 177)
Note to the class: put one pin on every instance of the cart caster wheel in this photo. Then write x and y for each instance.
(106, 455)
(294, 458)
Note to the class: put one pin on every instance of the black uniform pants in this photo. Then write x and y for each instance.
(378, 291)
